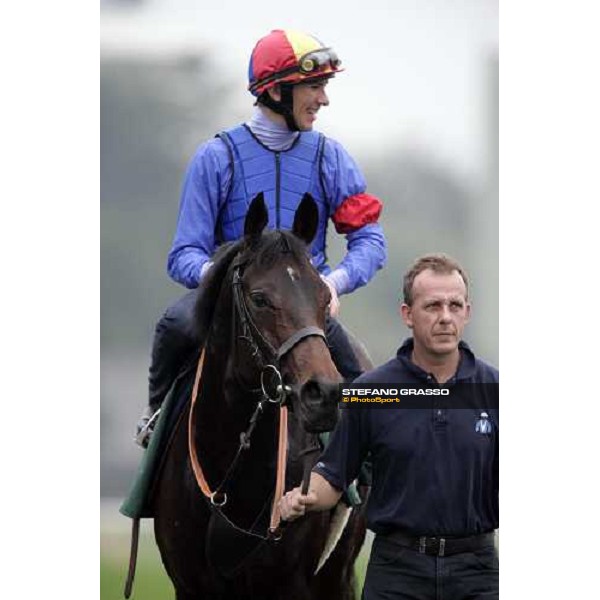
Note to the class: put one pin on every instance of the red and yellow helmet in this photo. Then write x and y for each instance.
(288, 56)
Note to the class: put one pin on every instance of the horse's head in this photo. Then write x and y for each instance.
(282, 304)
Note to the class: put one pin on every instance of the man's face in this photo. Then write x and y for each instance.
(308, 99)
(439, 312)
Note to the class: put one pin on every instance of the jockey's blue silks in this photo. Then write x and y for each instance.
(226, 173)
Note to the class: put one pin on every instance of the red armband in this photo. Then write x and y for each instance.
(356, 211)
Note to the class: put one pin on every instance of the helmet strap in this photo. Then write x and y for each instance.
(285, 107)
(287, 101)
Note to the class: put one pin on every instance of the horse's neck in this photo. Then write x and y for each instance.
(224, 412)
(227, 402)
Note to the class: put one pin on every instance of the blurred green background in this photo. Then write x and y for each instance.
(151, 581)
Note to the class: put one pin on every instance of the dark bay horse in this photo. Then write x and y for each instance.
(261, 314)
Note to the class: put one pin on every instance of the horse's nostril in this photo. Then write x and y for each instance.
(318, 406)
(312, 390)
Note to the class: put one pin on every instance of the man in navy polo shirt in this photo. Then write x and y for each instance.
(434, 499)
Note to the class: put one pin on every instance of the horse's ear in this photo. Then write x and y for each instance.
(306, 219)
(256, 218)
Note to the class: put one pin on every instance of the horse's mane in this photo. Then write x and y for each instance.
(210, 288)
(264, 251)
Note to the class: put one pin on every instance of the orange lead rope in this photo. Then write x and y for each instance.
(281, 463)
(281, 454)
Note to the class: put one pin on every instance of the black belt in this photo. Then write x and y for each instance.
(440, 546)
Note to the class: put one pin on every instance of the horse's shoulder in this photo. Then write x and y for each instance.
(360, 350)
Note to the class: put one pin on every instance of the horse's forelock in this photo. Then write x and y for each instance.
(276, 243)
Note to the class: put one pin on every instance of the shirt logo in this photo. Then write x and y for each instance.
(483, 426)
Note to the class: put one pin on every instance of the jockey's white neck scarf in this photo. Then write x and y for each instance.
(273, 135)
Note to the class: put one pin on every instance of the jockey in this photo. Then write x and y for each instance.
(276, 152)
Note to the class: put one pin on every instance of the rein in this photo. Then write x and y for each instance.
(251, 334)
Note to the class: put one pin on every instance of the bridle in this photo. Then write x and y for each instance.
(265, 353)
(268, 360)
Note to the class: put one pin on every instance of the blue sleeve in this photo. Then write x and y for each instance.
(342, 458)
(204, 191)
(366, 248)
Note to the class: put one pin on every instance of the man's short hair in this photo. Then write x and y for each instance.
(438, 263)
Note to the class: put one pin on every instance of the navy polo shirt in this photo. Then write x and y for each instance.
(435, 471)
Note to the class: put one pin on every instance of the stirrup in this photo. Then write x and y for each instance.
(145, 429)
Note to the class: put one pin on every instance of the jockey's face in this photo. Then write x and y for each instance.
(438, 314)
(308, 99)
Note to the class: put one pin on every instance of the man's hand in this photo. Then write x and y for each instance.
(334, 304)
(321, 496)
(293, 505)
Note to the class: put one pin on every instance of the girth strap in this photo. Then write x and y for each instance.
(135, 536)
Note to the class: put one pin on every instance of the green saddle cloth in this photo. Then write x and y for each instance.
(137, 503)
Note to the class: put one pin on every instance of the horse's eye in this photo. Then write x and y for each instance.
(259, 300)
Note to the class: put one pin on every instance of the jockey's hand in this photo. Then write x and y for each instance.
(334, 303)
(293, 505)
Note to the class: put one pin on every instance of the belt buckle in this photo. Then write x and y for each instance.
(441, 542)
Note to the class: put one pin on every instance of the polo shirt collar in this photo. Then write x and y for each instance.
(466, 366)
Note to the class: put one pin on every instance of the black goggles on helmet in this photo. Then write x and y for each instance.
(318, 59)
(311, 62)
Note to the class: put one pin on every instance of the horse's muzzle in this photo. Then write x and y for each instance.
(318, 405)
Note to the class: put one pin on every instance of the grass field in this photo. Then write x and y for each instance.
(151, 581)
